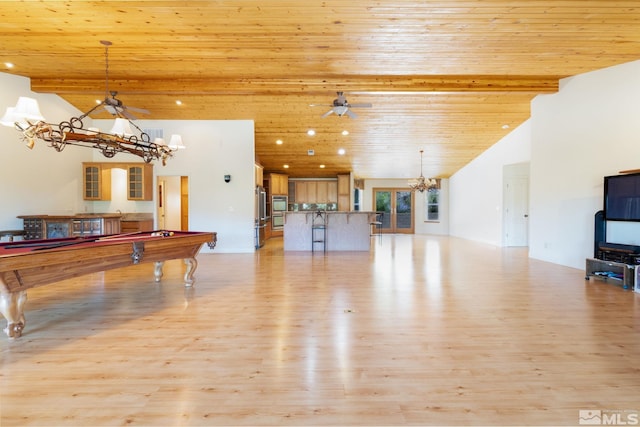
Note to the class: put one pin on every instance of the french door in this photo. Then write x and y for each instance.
(396, 204)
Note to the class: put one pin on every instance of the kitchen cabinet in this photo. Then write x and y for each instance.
(301, 192)
(111, 226)
(322, 191)
(93, 226)
(134, 226)
(96, 181)
(275, 184)
(344, 193)
(332, 192)
(79, 225)
(259, 173)
(326, 192)
(140, 181)
(33, 228)
(316, 192)
(312, 192)
(267, 230)
(278, 184)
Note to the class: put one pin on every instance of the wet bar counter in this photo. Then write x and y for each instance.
(345, 231)
(59, 226)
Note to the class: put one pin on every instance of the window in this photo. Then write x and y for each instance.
(432, 205)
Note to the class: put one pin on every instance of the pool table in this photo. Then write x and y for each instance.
(31, 263)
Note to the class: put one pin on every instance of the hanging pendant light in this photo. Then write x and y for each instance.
(422, 184)
(124, 137)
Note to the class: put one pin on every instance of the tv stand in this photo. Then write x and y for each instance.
(618, 273)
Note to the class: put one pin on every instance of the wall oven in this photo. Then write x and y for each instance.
(278, 208)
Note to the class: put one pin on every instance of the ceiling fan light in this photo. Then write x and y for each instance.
(340, 109)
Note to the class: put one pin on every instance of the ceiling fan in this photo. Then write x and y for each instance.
(112, 104)
(341, 107)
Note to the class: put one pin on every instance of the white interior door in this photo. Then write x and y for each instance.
(169, 203)
(161, 203)
(516, 207)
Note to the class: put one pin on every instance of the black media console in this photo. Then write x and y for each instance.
(613, 262)
(617, 263)
(617, 252)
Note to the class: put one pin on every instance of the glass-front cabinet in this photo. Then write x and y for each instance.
(140, 181)
(96, 181)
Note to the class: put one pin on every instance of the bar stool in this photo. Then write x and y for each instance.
(376, 225)
(319, 230)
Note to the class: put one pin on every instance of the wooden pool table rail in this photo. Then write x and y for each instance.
(33, 268)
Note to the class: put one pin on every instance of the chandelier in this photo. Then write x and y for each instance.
(26, 118)
(421, 184)
(124, 136)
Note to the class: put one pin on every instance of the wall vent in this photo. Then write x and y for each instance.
(154, 133)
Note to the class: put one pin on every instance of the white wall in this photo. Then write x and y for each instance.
(214, 148)
(476, 190)
(588, 130)
(40, 180)
(43, 181)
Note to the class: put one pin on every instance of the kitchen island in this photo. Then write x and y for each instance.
(345, 231)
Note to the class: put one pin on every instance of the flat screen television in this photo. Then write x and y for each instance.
(622, 197)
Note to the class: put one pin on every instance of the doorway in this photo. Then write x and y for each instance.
(173, 203)
(396, 204)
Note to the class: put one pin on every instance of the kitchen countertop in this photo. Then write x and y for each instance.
(74, 216)
(137, 216)
(125, 216)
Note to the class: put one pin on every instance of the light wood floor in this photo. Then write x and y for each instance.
(422, 330)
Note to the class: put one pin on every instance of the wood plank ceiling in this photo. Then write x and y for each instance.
(443, 76)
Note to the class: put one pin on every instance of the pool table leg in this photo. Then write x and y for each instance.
(157, 272)
(12, 308)
(192, 264)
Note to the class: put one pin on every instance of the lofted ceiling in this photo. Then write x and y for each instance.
(447, 77)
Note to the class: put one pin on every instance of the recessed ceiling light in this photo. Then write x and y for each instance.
(279, 142)
(321, 166)
(311, 132)
(98, 101)
(505, 126)
(178, 102)
(286, 166)
(8, 64)
(341, 151)
(345, 132)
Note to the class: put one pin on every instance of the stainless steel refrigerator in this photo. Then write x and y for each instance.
(260, 215)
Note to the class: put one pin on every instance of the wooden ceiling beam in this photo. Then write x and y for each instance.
(280, 87)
